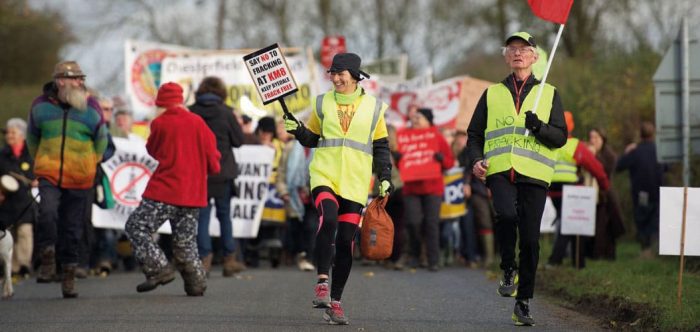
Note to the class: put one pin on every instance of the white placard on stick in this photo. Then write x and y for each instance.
(269, 70)
(671, 218)
(578, 210)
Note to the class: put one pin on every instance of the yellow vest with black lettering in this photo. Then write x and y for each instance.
(565, 168)
(343, 160)
(506, 145)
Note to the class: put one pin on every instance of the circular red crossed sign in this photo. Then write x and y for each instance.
(128, 183)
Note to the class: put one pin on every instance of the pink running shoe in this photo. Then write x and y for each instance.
(335, 315)
(323, 296)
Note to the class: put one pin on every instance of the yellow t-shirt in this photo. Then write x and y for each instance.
(345, 115)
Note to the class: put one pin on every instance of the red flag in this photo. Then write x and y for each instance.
(556, 11)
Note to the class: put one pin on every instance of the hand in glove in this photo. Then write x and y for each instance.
(438, 157)
(291, 125)
(532, 122)
(385, 188)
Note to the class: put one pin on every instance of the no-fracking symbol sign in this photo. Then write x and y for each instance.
(270, 73)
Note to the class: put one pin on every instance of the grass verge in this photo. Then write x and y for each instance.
(629, 293)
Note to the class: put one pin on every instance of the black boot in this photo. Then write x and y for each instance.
(47, 269)
(68, 283)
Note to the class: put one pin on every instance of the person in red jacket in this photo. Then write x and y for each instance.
(422, 198)
(185, 149)
(583, 158)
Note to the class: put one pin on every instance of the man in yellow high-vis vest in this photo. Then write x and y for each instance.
(347, 129)
(512, 146)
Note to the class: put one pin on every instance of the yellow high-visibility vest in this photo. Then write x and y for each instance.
(506, 145)
(343, 160)
(565, 168)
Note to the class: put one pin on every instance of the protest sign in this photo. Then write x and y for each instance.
(417, 148)
(453, 203)
(670, 221)
(330, 46)
(578, 210)
(548, 217)
(270, 73)
(142, 62)
(254, 168)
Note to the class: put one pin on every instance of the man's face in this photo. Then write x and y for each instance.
(107, 110)
(520, 55)
(123, 122)
(343, 82)
(72, 90)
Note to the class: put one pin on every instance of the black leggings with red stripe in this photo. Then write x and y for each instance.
(339, 218)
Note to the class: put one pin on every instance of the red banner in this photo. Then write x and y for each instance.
(330, 46)
(556, 11)
(417, 148)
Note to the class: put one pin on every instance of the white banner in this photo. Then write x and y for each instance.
(142, 62)
(548, 217)
(189, 69)
(578, 210)
(130, 169)
(671, 219)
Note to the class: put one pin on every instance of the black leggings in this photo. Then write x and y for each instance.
(339, 218)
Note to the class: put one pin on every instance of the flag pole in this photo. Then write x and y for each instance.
(549, 64)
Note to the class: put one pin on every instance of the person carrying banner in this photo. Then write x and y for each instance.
(572, 155)
(67, 137)
(513, 148)
(185, 149)
(347, 129)
(209, 104)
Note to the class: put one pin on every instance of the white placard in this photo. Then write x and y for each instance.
(671, 218)
(270, 73)
(254, 164)
(578, 210)
(550, 214)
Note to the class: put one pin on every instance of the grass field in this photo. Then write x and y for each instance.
(629, 293)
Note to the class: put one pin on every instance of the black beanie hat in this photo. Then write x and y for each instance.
(350, 62)
(267, 125)
(427, 113)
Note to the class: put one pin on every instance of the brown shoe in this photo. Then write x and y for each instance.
(68, 284)
(206, 262)
(47, 269)
(232, 265)
(162, 278)
(195, 284)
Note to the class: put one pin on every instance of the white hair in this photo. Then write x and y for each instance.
(18, 124)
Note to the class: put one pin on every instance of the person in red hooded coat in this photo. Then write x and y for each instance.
(185, 149)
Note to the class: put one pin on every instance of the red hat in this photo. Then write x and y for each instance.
(169, 94)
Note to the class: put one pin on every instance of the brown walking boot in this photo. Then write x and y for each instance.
(162, 278)
(68, 284)
(206, 263)
(47, 269)
(232, 265)
(195, 285)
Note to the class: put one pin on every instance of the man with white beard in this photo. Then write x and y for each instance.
(66, 137)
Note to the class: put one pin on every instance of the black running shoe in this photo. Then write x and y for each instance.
(521, 314)
(508, 286)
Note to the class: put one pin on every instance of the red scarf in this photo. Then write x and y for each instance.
(17, 149)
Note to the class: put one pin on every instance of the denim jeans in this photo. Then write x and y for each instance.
(223, 213)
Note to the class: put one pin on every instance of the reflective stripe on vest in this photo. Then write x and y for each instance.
(565, 169)
(506, 145)
(346, 142)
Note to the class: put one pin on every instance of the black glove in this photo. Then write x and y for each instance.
(438, 157)
(532, 122)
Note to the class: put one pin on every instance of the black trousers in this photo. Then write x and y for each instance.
(519, 208)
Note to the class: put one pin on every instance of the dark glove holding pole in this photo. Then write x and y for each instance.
(438, 157)
(532, 122)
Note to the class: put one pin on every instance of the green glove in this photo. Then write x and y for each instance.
(385, 188)
(291, 125)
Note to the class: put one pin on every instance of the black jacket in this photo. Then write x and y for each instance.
(552, 134)
(18, 206)
(219, 117)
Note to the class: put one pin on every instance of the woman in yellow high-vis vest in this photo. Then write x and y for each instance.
(513, 147)
(347, 129)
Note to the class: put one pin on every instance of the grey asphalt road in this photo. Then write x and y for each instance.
(263, 299)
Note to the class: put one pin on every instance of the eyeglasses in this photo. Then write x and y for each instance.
(521, 50)
(78, 78)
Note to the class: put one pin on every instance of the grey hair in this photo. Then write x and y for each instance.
(18, 123)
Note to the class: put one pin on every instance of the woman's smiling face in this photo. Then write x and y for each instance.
(343, 82)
